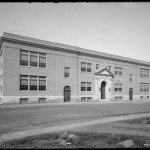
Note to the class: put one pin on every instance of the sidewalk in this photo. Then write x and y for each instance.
(41, 130)
(71, 103)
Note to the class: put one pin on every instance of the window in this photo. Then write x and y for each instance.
(89, 98)
(24, 55)
(24, 100)
(118, 87)
(67, 72)
(89, 86)
(86, 86)
(144, 73)
(83, 66)
(33, 83)
(89, 65)
(118, 71)
(42, 100)
(23, 82)
(83, 86)
(118, 97)
(86, 67)
(144, 87)
(130, 77)
(97, 66)
(33, 59)
(83, 99)
(42, 60)
(42, 83)
(142, 97)
(109, 68)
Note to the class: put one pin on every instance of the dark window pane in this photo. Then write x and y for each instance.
(83, 88)
(89, 69)
(88, 88)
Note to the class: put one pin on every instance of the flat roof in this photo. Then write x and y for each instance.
(72, 49)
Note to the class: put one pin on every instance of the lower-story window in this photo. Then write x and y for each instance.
(36, 83)
(42, 83)
(117, 87)
(144, 87)
(23, 82)
(86, 86)
(33, 83)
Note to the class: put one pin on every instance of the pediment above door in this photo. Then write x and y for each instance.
(104, 72)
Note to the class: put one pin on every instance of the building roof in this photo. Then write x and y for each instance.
(71, 49)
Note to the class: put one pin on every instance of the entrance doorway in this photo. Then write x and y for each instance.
(67, 94)
(130, 94)
(103, 91)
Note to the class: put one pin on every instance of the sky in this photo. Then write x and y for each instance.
(119, 28)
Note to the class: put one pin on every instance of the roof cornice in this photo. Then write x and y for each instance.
(74, 50)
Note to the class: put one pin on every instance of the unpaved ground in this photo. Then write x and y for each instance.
(96, 136)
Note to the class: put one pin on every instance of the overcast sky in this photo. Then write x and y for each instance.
(116, 28)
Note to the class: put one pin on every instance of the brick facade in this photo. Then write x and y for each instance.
(59, 56)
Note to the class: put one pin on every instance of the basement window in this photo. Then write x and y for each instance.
(24, 100)
(42, 100)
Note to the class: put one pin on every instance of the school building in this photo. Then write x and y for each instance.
(36, 71)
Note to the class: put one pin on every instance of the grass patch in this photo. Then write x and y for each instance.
(86, 140)
(144, 120)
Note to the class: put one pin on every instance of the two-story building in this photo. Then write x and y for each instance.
(35, 71)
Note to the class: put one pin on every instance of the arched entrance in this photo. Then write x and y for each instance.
(130, 94)
(67, 94)
(103, 91)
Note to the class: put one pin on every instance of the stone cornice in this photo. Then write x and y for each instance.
(75, 50)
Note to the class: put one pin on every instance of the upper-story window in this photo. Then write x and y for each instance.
(42, 60)
(118, 71)
(86, 67)
(144, 73)
(130, 77)
(34, 59)
(97, 66)
(24, 58)
(109, 68)
(67, 72)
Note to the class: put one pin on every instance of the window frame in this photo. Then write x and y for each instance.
(24, 52)
(24, 87)
(118, 71)
(118, 87)
(44, 88)
(66, 72)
